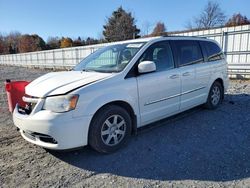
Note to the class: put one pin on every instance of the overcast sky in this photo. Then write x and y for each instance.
(85, 18)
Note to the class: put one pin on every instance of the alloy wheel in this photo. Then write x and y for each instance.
(113, 130)
(216, 95)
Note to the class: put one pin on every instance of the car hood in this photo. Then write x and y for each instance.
(57, 83)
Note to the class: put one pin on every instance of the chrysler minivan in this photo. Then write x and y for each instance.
(119, 88)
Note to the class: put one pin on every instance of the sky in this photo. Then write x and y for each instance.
(85, 18)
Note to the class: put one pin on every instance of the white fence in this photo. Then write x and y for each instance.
(59, 58)
(235, 42)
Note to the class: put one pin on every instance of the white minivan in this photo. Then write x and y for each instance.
(119, 88)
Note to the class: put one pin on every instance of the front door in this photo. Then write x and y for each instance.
(159, 91)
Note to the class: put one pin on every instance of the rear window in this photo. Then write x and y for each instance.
(214, 52)
(189, 52)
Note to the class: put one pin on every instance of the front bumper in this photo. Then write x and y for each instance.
(58, 131)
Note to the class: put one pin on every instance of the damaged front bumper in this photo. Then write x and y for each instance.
(58, 131)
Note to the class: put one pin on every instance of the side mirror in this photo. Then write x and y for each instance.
(146, 66)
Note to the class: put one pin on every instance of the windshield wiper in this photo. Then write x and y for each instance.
(100, 71)
(88, 70)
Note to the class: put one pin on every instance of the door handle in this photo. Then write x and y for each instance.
(186, 74)
(174, 76)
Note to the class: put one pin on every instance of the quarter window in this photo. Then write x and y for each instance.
(189, 52)
(213, 51)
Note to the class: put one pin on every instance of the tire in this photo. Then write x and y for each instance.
(110, 129)
(215, 96)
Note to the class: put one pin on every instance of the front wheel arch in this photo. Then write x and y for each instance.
(127, 107)
(95, 139)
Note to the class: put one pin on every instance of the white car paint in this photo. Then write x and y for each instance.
(151, 96)
(57, 83)
(154, 90)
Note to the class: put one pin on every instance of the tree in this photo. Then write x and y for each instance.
(31, 43)
(120, 26)
(159, 29)
(211, 16)
(146, 28)
(90, 41)
(40, 43)
(53, 42)
(12, 41)
(237, 19)
(78, 42)
(3, 45)
(66, 42)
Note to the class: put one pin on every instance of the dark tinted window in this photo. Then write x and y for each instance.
(213, 51)
(161, 54)
(188, 52)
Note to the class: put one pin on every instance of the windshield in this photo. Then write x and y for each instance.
(110, 59)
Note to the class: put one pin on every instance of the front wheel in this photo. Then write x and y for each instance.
(109, 129)
(215, 96)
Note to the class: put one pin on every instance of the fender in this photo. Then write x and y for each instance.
(107, 98)
(90, 101)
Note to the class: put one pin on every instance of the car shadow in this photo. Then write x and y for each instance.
(200, 144)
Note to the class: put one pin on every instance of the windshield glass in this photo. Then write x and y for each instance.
(110, 59)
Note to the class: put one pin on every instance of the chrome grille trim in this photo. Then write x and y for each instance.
(30, 100)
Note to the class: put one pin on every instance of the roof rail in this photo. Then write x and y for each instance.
(183, 36)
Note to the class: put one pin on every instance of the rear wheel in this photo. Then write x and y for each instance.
(215, 96)
(109, 129)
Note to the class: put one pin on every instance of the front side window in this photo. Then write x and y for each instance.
(213, 51)
(160, 53)
(110, 59)
(188, 52)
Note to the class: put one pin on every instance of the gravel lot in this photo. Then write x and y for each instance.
(198, 148)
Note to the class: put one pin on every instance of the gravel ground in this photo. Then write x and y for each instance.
(198, 148)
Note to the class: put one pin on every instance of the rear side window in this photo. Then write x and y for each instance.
(188, 52)
(214, 52)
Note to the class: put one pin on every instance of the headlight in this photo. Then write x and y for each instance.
(61, 103)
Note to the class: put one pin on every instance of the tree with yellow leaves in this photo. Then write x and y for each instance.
(66, 42)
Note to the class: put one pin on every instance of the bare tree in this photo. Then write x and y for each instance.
(3, 45)
(210, 17)
(189, 25)
(146, 28)
(12, 41)
(53, 42)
